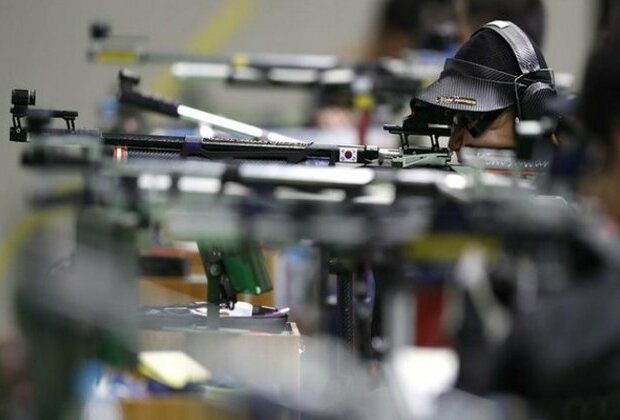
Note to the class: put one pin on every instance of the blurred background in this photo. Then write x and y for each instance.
(43, 46)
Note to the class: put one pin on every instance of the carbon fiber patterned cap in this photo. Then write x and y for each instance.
(480, 77)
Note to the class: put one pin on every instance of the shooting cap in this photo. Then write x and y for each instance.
(481, 76)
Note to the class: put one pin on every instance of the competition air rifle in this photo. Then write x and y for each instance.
(252, 143)
(265, 145)
(423, 121)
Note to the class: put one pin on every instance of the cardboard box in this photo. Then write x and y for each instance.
(179, 408)
(269, 362)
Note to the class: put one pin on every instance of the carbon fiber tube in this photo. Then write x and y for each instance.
(144, 141)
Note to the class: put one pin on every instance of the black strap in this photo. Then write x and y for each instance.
(519, 42)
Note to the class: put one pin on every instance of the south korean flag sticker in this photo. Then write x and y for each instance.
(348, 154)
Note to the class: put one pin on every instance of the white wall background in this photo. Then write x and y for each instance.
(43, 44)
(570, 32)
